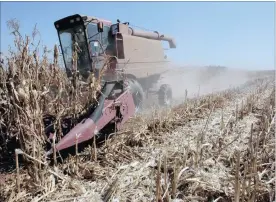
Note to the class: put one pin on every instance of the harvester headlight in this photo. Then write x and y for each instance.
(72, 21)
(78, 19)
(57, 26)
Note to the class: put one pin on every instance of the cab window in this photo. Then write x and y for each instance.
(94, 36)
(105, 36)
(92, 32)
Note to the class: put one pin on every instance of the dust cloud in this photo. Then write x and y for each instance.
(202, 80)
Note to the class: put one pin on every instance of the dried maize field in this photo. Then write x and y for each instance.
(216, 147)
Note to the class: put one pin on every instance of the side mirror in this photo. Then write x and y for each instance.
(100, 26)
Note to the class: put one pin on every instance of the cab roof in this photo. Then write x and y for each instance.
(83, 19)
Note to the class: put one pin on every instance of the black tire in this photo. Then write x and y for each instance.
(165, 95)
(138, 94)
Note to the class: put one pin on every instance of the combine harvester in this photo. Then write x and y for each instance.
(135, 74)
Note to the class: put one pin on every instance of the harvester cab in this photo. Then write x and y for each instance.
(82, 35)
(138, 61)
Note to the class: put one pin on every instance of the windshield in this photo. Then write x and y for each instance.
(94, 39)
(70, 37)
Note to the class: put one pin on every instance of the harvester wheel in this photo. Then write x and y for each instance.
(138, 94)
(165, 95)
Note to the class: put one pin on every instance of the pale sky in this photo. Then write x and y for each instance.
(233, 34)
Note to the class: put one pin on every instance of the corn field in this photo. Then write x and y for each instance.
(217, 147)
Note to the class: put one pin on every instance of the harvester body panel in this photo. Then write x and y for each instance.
(142, 57)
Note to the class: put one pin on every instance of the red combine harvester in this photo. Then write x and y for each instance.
(135, 74)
